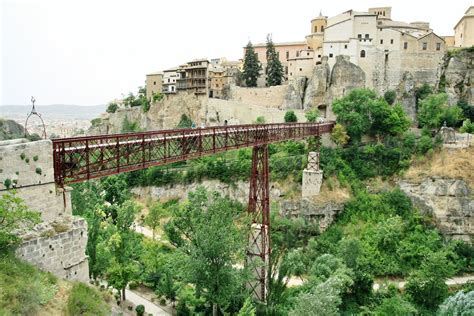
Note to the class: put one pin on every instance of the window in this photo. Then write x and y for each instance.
(297, 54)
(301, 69)
(315, 29)
(362, 53)
(381, 41)
(307, 54)
(367, 36)
(291, 74)
(405, 45)
(359, 36)
(286, 70)
(319, 56)
(391, 41)
(345, 46)
(424, 45)
(322, 28)
(438, 46)
(330, 55)
(287, 55)
(172, 88)
(168, 79)
(154, 83)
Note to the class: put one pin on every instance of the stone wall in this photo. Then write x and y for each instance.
(271, 97)
(62, 254)
(58, 243)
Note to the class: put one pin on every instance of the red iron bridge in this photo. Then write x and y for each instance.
(83, 158)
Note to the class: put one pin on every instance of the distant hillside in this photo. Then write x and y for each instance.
(55, 111)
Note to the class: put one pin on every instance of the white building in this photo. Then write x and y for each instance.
(170, 77)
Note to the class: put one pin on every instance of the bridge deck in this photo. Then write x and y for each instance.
(82, 158)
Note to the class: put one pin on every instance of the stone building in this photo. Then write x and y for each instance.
(464, 29)
(193, 77)
(153, 84)
(383, 48)
(170, 77)
(222, 74)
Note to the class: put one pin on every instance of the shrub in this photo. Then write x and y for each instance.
(96, 122)
(390, 96)
(22, 156)
(140, 309)
(184, 122)
(85, 300)
(27, 160)
(112, 107)
(163, 301)
(35, 158)
(458, 304)
(7, 183)
(260, 120)
(38, 171)
(467, 127)
(290, 117)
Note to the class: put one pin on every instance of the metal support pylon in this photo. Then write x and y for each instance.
(258, 253)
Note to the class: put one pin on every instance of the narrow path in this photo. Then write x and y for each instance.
(150, 308)
(450, 282)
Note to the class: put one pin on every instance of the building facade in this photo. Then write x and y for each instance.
(170, 78)
(464, 29)
(193, 77)
(153, 84)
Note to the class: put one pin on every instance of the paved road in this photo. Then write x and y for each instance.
(450, 282)
(150, 308)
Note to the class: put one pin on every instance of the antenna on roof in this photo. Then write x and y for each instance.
(33, 112)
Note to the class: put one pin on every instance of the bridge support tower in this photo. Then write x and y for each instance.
(258, 252)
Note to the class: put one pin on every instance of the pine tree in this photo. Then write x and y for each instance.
(252, 66)
(274, 68)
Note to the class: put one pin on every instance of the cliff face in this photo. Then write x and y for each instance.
(448, 201)
(458, 75)
(10, 129)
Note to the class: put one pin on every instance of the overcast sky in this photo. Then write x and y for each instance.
(90, 52)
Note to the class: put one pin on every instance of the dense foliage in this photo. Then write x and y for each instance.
(85, 300)
(434, 111)
(290, 117)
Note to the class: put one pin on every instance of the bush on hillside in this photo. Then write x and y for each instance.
(85, 300)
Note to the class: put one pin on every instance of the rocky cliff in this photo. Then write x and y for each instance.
(449, 201)
(457, 74)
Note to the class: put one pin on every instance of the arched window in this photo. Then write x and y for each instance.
(322, 28)
(362, 53)
(315, 29)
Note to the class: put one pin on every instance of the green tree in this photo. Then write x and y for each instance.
(185, 122)
(467, 127)
(14, 214)
(395, 306)
(247, 309)
(427, 286)
(121, 248)
(206, 230)
(252, 66)
(154, 216)
(390, 96)
(260, 120)
(339, 135)
(434, 110)
(422, 92)
(274, 69)
(130, 126)
(312, 115)
(290, 117)
(112, 107)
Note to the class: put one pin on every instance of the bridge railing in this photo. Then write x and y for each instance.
(82, 158)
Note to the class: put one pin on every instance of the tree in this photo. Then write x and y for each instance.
(422, 92)
(121, 248)
(274, 69)
(459, 304)
(390, 96)
(14, 214)
(312, 115)
(339, 135)
(185, 122)
(206, 230)
(154, 216)
(434, 110)
(467, 127)
(247, 309)
(395, 306)
(290, 117)
(427, 286)
(112, 107)
(252, 66)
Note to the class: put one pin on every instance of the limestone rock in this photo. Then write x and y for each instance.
(317, 86)
(295, 94)
(345, 76)
(406, 94)
(449, 201)
(323, 214)
(458, 75)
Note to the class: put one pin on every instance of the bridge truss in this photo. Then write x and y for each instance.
(84, 158)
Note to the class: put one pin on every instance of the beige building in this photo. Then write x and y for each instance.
(153, 84)
(302, 65)
(193, 77)
(222, 73)
(383, 48)
(464, 29)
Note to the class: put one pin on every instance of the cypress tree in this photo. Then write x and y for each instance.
(274, 68)
(252, 66)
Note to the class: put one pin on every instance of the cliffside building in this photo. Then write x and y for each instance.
(193, 77)
(170, 78)
(153, 84)
(464, 29)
